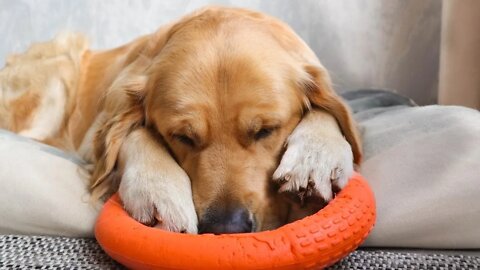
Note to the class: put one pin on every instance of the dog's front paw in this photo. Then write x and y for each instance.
(313, 166)
(154, 200)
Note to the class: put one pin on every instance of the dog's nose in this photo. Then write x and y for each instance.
(237, 220)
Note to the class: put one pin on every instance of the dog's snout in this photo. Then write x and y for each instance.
(237, 220)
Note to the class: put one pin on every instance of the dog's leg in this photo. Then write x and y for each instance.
(153, 186)
(317, 160)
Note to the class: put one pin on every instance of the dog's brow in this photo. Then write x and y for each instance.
(181, 127)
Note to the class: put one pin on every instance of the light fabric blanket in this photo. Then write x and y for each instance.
(423, 164)
(43, 190)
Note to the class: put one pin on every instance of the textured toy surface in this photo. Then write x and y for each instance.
(316, 241)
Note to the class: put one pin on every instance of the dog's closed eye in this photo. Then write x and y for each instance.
(184, 139)
(263, 133)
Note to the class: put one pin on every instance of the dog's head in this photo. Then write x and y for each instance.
(223, 90)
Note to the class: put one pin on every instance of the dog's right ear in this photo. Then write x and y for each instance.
(123, 109)
(121, 120)
(123, 104)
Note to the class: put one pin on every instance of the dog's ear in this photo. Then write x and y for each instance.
(318, 89)
(315, 82)
(124, 105)
(123, 111)
(122, 117)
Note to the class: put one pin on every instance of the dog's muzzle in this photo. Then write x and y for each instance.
(221, 221)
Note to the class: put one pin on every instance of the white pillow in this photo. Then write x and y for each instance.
(423, 164)
(43, 190)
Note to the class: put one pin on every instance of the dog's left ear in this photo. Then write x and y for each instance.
(319, 91)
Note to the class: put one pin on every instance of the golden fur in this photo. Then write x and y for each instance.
(204, 86)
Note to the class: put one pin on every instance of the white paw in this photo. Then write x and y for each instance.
(154, 199)
(314, 165)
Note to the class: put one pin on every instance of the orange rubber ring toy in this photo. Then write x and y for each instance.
(316, 241)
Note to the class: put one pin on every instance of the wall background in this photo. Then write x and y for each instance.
(364, 43)
(460, 54)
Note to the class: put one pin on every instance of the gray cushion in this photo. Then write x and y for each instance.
(43, 190)
(423, 164)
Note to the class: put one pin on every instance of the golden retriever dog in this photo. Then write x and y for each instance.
(201, 127)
